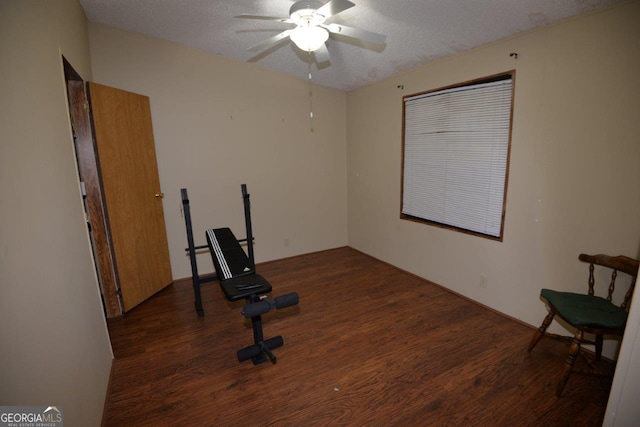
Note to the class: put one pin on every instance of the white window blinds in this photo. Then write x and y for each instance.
(456, 146)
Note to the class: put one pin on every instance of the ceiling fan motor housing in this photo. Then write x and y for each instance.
(304, 12)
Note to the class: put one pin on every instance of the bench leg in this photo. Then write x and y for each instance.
(260, 350)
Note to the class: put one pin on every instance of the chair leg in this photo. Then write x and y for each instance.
(598, 346)
(541, 330)
(574, 349)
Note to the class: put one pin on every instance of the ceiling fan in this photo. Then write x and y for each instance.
(311, 31)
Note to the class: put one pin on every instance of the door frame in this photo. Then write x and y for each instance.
(89, 176)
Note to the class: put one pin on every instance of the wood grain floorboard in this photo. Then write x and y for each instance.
(368, 345)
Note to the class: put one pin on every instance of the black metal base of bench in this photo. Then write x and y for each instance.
(238, 280)
(260, 350)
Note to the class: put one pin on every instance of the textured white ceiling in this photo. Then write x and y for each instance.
(418, 31)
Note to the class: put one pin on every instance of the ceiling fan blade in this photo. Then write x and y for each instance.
(356, 33)
(264, 18)
(270, 41)
(322, 54)
(334, 7)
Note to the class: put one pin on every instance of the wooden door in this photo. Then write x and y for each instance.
(126, 160)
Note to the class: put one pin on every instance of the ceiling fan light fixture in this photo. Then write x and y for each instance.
(309, 38)
(311, 32)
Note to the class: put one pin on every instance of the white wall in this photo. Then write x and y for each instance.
(573, 184)
(219, 123)
(54, 347)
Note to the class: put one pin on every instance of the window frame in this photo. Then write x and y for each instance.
(511, 74)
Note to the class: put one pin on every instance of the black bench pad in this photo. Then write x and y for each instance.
(235, 271)
(229, 258)
(245, 286)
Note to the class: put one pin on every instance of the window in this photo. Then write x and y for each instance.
(456, 144)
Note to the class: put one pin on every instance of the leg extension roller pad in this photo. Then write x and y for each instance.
(266, 305)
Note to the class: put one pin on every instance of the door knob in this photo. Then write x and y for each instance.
(160, 195)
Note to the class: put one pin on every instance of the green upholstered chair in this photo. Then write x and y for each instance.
(589, 313)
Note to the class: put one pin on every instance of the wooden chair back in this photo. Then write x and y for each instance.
(618, 263)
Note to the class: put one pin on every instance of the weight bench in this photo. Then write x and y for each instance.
(238, 280)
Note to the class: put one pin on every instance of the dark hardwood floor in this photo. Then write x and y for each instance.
(368, 345)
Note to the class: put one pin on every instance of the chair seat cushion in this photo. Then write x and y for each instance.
(586, 310)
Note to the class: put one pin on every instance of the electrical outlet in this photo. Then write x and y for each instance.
(286, 242)
(483, 281)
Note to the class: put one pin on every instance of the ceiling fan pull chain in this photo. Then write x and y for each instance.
(310, 98)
